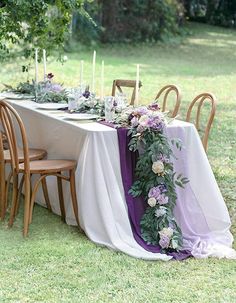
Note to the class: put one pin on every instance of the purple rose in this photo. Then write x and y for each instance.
(162, 188)
(142, 111)
(162, 199)
(164, 241)
(155, 123)
(154, 106)
(154, 192)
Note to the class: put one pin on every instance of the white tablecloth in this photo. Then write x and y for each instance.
(102, 207)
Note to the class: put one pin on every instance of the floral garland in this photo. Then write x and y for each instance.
(155, 176)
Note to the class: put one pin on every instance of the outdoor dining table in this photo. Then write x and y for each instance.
(200, 211)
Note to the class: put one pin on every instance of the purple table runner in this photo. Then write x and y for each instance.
(136, 206)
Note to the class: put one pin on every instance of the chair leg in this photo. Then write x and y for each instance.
(7, 186)
(26, 205)
(19, 195)
(61, 199)
(14, 199)
(73, 195)
(2, 192)
(45, 192)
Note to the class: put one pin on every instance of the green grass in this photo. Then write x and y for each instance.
(57, 263)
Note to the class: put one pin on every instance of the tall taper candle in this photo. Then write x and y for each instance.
(44, 65)
(102, 81)
(93, 72)
(137, 86)
(81, 72)
(36, 65)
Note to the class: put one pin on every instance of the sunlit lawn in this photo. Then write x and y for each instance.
(58, 264)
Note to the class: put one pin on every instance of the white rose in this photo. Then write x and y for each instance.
(167, 231)
(158, 167)
(152, 202)
(143, 120)
(160, 212)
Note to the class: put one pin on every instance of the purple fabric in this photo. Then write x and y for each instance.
(136, 206)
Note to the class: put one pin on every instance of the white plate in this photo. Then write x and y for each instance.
(51, 106)
(78, 116)
(13, 96)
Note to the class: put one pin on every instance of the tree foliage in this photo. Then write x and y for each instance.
(133, 20)
(38, 23)
(217, 12)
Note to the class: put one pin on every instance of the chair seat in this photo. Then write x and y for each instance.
(49, 166)
(34, 154)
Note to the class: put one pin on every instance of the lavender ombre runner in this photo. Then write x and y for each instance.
(136, 206)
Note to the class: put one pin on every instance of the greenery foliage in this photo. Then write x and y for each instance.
(215, 12)
(39, 23)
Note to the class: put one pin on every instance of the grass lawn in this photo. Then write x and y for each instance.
(56, 263)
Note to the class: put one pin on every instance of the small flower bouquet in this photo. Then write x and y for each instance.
(89, 104)
(155, 177)
(48, 91)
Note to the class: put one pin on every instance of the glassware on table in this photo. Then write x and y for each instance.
(109, 108)
(121, 100)
(72, 103)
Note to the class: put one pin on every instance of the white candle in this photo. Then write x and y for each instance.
(44, 65)
(81, 72)
(102, 81)
(36, 66)
(93, 72)
(137, 86)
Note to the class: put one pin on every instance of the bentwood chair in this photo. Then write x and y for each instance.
(11, 120)
(34, 154)
(198, 103)
(119, 83)
(169, 92)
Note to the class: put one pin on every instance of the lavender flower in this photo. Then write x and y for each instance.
(162, 199)
(164, 241)
(155, 123)
(56, 88)
(154, 192)
(158, 193)
(142, 111)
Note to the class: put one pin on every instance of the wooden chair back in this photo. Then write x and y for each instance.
(119, 83)
(166, 92)
(198, 101)
(10, 122)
